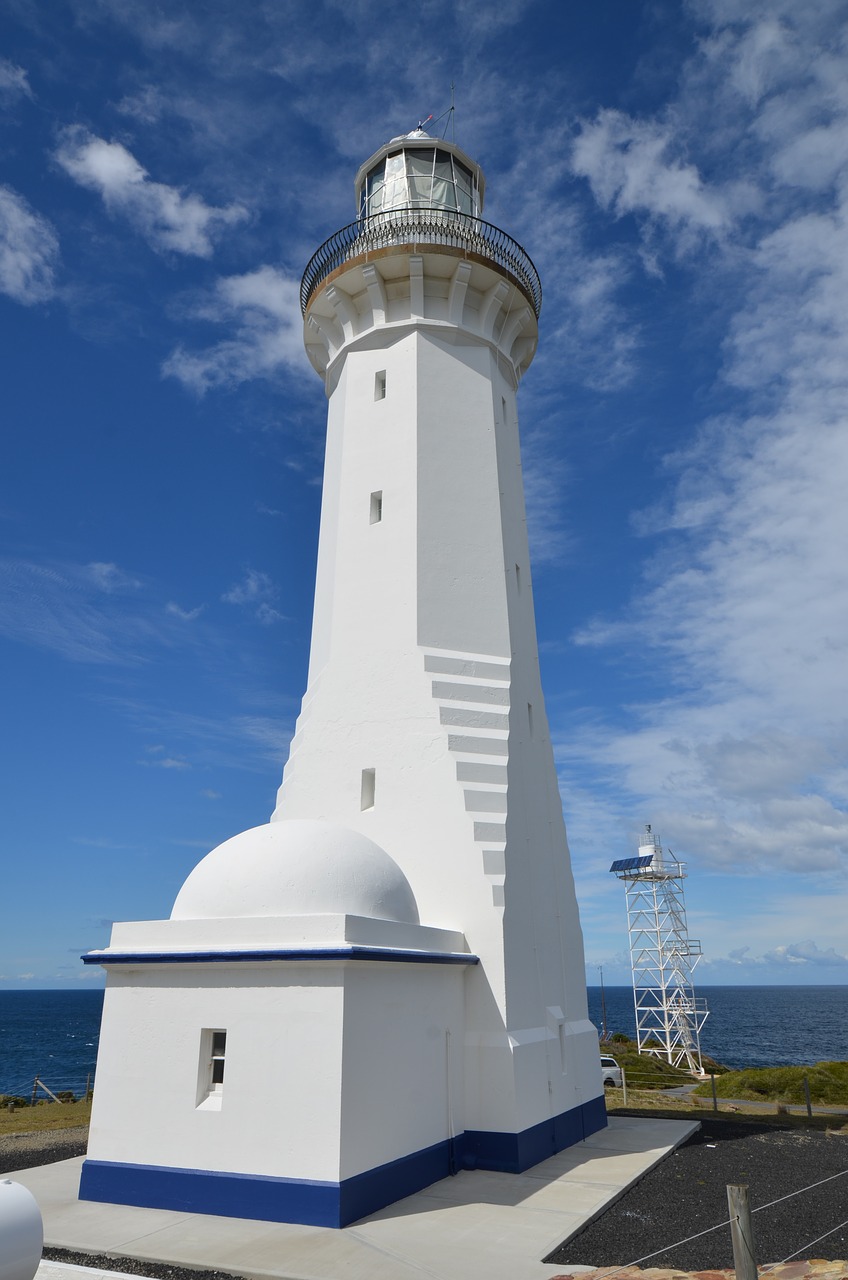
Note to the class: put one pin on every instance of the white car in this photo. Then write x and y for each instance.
(610, 1071)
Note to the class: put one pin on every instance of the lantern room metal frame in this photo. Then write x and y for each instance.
(663, 957)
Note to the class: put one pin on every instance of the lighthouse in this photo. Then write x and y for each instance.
(385, 983)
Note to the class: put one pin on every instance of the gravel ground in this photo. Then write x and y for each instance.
(26, 1150)
(687, 1193)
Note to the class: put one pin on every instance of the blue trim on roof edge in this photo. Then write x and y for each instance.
(279, 953)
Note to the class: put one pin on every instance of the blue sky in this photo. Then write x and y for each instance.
(679, 174)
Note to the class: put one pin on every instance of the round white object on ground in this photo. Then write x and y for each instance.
(21, 1232)
(297, 867)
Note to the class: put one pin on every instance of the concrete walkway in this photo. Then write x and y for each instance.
(476, 1225)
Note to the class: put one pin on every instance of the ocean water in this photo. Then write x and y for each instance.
(753, 1026)
(54, 1034)
(50, 1034)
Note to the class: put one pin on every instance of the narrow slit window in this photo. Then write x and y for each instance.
(562, 1051)
(377, 506)
(517, 578)
(503, 409)
(210, 1076)
(216, 1061)
(367, 789)
(530, 718)
(380, 385)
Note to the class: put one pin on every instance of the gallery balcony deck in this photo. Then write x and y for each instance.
(418, 229)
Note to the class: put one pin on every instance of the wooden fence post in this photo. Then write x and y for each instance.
(807, 1096)
(623, 1087)
(741, 1233)
(715, 1097)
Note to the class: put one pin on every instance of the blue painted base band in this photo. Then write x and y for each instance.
(333, 1204)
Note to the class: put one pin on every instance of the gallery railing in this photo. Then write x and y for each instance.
(419, 227)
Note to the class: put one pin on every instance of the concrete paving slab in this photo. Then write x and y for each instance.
(478, 1224)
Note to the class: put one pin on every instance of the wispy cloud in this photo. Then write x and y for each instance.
(167, 762)
(258, 592)
(13, 81)
(240, 741)
(743, 604)
(263, 309)
(29, 251)
(96, 612)
(75, 610)
(167, 218)
(632, 168)
(186, 615)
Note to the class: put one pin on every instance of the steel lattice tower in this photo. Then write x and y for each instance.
(663, 957)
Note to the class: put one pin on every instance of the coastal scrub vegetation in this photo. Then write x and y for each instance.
(828, 1083)
(643, 1070)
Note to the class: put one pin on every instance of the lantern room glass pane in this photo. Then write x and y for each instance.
(395, 191)
(374, 190)
(419, 167)
(444, 194)
(464, 188)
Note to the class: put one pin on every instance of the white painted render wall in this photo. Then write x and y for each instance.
(424, 661)
(332, 1067)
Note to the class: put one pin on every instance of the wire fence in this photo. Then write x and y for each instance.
(31, 1089)
(608, 1274)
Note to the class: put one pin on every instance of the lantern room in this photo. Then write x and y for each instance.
(419, 172)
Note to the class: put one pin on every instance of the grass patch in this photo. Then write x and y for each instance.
(689, 1109)
(43, 1117)
(828, 1083)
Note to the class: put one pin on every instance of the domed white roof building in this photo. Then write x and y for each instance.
(297, 868)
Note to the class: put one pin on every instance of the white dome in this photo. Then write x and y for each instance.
(297, 867)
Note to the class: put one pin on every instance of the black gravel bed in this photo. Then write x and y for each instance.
(134, 1266)
(26, 1150)
(687, 1193)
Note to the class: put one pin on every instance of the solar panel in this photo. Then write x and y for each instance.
(632, 864)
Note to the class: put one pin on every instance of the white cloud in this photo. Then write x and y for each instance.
(254, 586)
(257, 591)
(95, 612)
(263, 307)
(167, 218)
(741, 612)
(29, 250)
(108, 577)
(631, 168)
(186, 615)
(13, 81)
(167, 762)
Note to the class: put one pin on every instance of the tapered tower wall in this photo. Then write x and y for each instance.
(424, 661)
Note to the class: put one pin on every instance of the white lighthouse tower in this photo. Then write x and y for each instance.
(394, 963)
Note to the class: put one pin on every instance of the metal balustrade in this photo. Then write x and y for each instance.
(419, 228)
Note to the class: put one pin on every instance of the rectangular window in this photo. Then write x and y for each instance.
(377, 507)
(368, 789)
(210, 1075)
(216, 1060)
(380, 385)
(530, 718)
(517, 578)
